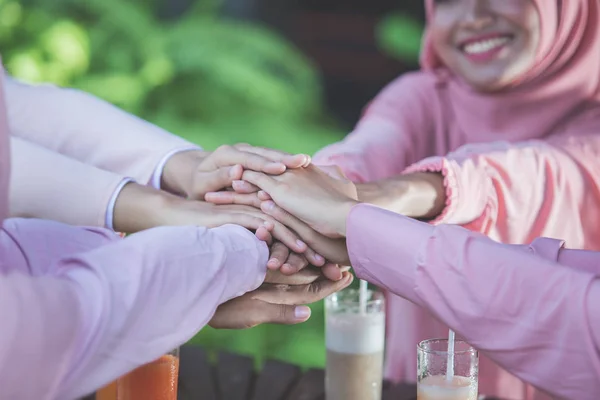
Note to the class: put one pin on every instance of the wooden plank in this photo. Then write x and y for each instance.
(275, 380)
(196, 378)
(235, 375)
(311, 386)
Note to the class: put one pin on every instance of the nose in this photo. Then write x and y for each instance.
(477, 14)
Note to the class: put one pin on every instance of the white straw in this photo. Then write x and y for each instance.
(450, 364)
(362, 296)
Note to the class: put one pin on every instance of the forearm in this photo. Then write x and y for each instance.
(48, 185)
(115, 307)
(489, 293)
(418, 195)
(87, 129)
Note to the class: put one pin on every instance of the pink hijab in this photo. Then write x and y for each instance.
(559, 94)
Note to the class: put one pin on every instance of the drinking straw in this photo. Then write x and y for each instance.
(450, 363)
(362, 296)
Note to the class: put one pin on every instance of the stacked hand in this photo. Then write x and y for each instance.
(297, 245)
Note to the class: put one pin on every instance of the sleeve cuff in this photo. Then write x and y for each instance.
(158, 171)
(110, 210)
(438, 164)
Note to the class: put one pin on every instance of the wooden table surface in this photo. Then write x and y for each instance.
(233, 377)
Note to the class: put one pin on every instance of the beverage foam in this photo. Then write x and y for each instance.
(355, 333)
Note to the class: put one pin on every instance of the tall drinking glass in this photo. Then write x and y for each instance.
(355, 339)
(433, 381)
(154, 381)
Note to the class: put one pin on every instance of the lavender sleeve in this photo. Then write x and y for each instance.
(536, 318)
(81, 307)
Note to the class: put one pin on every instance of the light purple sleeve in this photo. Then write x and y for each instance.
(87, 129)
(534, 317)
(81, 307)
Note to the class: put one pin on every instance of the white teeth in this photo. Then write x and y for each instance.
(485, 45)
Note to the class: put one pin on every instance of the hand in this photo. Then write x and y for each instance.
(309, 194)
(289, 263)
(276, 303)
(140, 207)
(194, 173)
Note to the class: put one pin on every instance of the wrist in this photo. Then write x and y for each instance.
(141, 207)
(178, 173)
(342, 216)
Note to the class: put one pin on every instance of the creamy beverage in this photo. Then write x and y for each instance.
(437, 387)
(355, 345)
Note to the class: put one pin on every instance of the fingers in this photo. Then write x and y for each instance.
(288, 238)
(245, 312)
(250, 199)
(290, 160)
(293, 264)
(263, 233)
(301, 294)
(263, 196)
(304, 277)
(229, 155)
(332, 249)
(244, 187)
(279, 253)
(212, 181)
(332, 272)
(265, 182)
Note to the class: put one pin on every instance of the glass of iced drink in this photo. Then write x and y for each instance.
(154, 381)
(354, 338)
(433, 381)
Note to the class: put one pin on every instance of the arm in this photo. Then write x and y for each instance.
(88, 129)
(48, 185)
(94, 315)
(533, 317)
(392, 134)
(517, 192)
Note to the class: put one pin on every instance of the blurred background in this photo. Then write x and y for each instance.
(288, 74)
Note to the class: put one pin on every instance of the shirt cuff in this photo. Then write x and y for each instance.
(110, 210)
(158, 171)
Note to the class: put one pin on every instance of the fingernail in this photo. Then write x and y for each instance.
(319, 258)
(238, 184)
(302, 312)
(273, 262)
(268, 205)
(233, 171)
(300, 243)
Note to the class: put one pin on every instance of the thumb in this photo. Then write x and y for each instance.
(283, 314)
(214, 181)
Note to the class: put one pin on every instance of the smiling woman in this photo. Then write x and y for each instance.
(489, 44)
(498, 132)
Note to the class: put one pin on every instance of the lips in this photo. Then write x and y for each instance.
(484, 48)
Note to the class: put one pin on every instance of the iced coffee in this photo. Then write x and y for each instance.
(355, 338)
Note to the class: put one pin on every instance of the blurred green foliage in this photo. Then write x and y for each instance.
(204, 77)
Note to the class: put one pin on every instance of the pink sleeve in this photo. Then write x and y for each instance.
(88, 129)
(517, 192)
(534, 317)
(390, 136)
(81, 307)
(48, 185)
